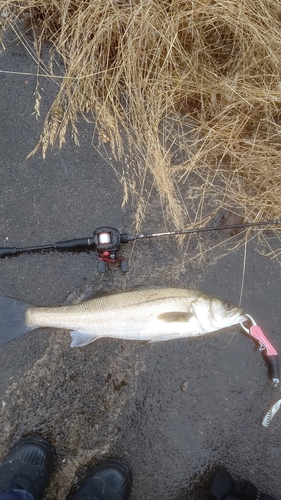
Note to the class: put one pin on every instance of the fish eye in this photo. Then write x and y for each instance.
(227, 306)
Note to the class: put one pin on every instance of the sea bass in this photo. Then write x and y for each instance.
(151, 314)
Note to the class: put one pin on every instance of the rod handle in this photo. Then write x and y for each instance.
(75, 244)
(7, 251)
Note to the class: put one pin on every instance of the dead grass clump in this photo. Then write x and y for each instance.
(194, 89)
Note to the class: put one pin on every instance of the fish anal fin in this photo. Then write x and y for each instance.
(165, 337)
(175, 317)
(80, 338)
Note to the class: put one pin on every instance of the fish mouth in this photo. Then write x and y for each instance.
(243, 318)
(240, 316)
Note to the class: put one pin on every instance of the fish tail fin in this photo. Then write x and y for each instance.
(12, 319)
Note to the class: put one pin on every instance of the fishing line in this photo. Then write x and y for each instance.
(244, 270)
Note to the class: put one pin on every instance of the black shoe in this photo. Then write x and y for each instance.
(225, 488)
(28, 466)
(109, 480)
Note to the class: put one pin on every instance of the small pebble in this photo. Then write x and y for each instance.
(184, 386)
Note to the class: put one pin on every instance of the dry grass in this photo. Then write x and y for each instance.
(191, 89)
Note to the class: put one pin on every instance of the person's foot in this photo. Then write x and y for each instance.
(28, 466)
(108, 480)
(225, 488)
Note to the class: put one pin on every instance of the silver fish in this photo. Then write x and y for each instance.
(151, 314)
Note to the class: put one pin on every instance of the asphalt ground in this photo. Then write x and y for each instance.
(174, 411)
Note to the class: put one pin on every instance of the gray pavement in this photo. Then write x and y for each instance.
(174, 411)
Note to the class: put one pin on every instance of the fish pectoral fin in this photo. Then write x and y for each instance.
(80, 338)
(175, 317)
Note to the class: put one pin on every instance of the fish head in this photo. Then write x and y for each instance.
(214, 314)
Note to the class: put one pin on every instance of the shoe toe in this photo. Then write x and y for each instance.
(109, 479)
(28, 466)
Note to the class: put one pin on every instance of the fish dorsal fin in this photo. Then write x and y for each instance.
(89, 294)
(96, 294)
(175, 317)
(80, 338)
(136, 288)
(93, 294)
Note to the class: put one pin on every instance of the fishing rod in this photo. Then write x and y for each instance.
(106, 241)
